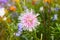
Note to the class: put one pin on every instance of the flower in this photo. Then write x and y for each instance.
(2, 12)
(3, 1)
(12, 8)
(19, 30)
(5, 18)
(41, 8)
(29, 20)
(18, 33)
(56, 9)
(55, 17)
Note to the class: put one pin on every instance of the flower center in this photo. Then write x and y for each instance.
(30, 20)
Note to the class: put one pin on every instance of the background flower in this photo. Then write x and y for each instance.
(19, 27)
(12, 8)
(19, 30)
(3, 1)
(55, 17)
(2, 12)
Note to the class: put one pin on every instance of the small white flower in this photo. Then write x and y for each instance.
(41, 8)
(2, 12)
(55, 17)
(4, 18)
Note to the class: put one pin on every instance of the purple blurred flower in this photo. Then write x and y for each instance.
(17, 34)
(19, 27)
(3, 1)
(56, 9)
(19, 30)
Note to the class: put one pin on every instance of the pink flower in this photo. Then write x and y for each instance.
(29, 20)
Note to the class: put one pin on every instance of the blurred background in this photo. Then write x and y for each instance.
(45, 19)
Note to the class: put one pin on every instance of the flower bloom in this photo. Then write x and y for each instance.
(41, 8)
(2, 12)
(29, 20)
(3, 1)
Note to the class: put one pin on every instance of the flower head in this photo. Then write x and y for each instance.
(29, 20)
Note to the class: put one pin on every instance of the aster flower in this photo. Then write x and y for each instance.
(2, 12)
(29, 20)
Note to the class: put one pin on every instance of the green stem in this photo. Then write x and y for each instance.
(19, 5)
(24, 2)
(36, 35)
